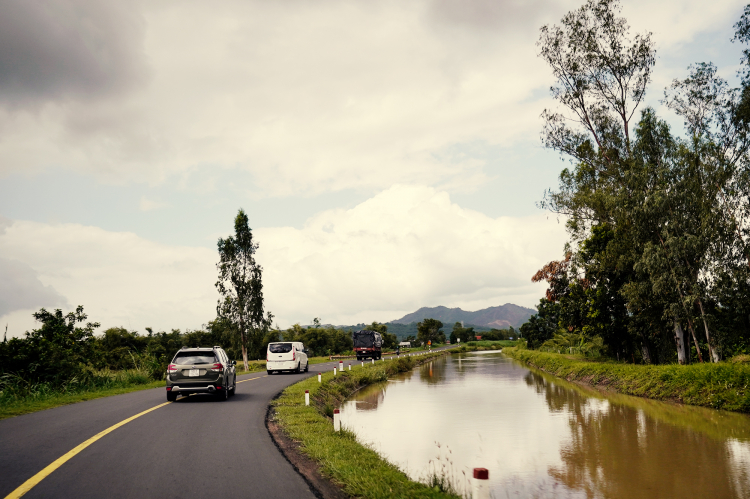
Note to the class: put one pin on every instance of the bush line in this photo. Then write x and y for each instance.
(360, 470)
(718, 386)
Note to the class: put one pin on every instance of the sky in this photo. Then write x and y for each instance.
(387, 153)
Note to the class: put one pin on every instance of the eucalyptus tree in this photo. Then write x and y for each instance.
(241, 287)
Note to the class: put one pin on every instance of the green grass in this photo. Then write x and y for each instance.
(357, 468)
(718, 386)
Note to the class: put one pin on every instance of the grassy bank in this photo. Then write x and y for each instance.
(719, 386)
(359, 469)
(18, 397)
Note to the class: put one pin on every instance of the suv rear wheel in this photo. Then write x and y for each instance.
(171, 397)
(222, 394)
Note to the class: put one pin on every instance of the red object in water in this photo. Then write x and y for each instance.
(481, 474)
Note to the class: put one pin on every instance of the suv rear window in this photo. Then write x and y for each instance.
(280, 347)
(184, 358)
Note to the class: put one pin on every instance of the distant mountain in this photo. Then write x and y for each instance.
(499, 317)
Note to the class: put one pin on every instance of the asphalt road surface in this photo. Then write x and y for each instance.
(195, 447)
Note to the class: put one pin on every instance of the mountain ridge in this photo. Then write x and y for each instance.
(498, 317)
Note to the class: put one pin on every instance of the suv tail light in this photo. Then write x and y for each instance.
(217, 368)
(172, 369)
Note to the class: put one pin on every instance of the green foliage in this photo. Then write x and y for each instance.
(241, 287)
(542, 325)
(320, 341)
(574, 343)
(658, 223)
(430, 330)
(59, 351)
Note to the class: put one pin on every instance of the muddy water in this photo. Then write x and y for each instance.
(542, 437)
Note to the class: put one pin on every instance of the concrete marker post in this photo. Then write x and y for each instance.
(480, 486)
(337, 421)
(334, 372)
(307, 397)
(350, 366)
(341, 366)
(319, 378)
(363, 363)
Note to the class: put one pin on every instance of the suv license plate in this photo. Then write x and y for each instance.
(194, 372)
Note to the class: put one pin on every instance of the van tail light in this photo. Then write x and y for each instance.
(217, 368)
(172, 369)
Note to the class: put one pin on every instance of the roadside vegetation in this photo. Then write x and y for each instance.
(357, 468)
(657, 266)
(724, 385)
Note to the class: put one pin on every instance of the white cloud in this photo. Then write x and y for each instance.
(119, 278)
(406, 247)
(150, 204)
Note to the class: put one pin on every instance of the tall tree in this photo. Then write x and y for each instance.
(241, 287)
(430, 330)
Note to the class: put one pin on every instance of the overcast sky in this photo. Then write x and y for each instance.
(387, 152)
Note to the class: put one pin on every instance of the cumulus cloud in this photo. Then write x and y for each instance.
(119, 278)
(309, 97)
(55, 50)
(406, 247)
(21, 289)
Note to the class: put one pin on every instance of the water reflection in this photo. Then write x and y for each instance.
(433, 373)
(614, 446)
(371, 398)
(543, 437)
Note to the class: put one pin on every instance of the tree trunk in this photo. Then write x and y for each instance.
(243, 340)
(715, 357)
(679, 339)
(645, 353)
(695, 340)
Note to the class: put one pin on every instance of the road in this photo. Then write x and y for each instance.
(194, 447)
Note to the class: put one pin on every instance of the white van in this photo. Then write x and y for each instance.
(286, 356)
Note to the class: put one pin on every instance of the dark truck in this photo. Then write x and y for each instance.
(367, 344)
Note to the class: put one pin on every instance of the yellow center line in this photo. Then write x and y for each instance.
(34, 480)
(248, 379)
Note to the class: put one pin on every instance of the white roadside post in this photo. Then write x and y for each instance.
(480, 487)
(363, 363)
(373, 360)
(350, 366)
(319, 378)
(341, 366)
(334, 372)
(307, 397)
(337, 421)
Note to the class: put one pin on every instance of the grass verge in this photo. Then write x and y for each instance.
(357, 468)
(718, 386)
(41, 398)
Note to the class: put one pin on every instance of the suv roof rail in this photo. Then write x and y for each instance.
(183, 348)
(215, 346)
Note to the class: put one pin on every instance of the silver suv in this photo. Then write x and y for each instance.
(201, 370)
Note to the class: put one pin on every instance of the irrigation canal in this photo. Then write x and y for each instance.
(543, 437)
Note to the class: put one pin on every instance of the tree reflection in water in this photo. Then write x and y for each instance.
(369, 398)
(619, 451)
(433, 373)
